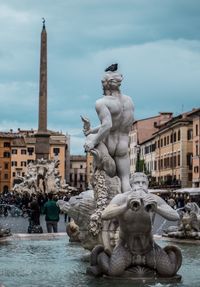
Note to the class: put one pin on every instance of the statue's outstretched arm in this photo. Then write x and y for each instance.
(166, 211)
(87, 130)
(113, 210)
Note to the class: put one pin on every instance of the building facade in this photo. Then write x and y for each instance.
(5, 161)
(78, 172)
(17, 150)
(141, 131)
(171, 154)
(195, 114)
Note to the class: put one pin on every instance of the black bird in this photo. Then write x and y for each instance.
(112, 68)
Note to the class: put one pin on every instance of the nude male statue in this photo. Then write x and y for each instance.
(115, 112)
(134, 210)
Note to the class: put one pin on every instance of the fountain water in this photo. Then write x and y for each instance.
(57, 263)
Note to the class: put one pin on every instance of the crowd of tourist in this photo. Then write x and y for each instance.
(22, 201)
(179, 200)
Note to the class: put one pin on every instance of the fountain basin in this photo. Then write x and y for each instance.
(50, 260)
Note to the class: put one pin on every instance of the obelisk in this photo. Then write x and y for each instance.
(42, 136)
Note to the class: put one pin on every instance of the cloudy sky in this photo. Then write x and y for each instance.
(155, 42)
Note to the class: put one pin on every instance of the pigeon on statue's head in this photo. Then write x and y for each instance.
(112, 68)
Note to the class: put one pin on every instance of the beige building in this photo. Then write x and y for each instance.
(23, 152)
(78, 172)
(5, 161)
(148, 155)
(172, 154)
(141, 131)
(195, 114)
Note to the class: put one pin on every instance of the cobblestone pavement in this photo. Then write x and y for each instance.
(20, 224)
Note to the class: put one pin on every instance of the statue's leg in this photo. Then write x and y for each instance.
(103, 160)
(123, 171)
(116, 264)
(166, 261)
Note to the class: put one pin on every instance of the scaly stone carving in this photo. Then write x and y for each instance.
(189, 223)
(136, 247)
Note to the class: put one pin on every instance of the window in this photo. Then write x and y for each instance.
(189, 134)
(189, 176)
(189, 160)
(81, 177)
(6, 165)
(197, 130)
(5, 176)
(196, 169)
(23, 163)
(179, 135)
(23, 174)
(23, 151)
(164, 141)
(171, 138)
(56, 150)
(175, 137)
(161, 143)
(30, 150)
(6, 154)
(179, 160)
(14, 163)
(81, 166)
(167, 139)
(161, 163)
(75, 177)
(174, 160)
(13, 174)
(14, 151)
(196, 149)
(6, 144)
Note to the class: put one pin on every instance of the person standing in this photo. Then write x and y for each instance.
(51, 211)
(34, 217)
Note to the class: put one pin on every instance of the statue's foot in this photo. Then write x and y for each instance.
(94, 271)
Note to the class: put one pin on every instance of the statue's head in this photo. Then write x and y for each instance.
(139, 180)
(111, 81)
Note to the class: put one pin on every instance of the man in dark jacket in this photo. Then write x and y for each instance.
(51, 210)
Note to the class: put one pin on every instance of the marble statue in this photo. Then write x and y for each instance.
(42, 177)
(87, 227)
(73, 232)
(136, 248)
(109, 141)
(80, 208)
(189, 223)
(116, 216)
(4, 232)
